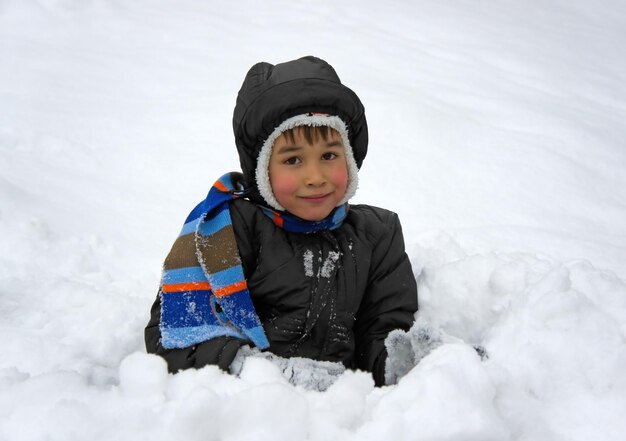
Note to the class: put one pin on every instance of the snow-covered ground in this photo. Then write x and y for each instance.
(498, 133)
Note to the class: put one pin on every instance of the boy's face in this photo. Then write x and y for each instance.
(309, 179)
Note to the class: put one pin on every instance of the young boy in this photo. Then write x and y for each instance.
(275, 258)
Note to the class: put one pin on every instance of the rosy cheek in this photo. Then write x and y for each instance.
(283, 185)
(340, 178)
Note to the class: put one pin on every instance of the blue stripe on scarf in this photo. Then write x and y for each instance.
(237, 307)
(227, 276)
(191, 335)
(226, 181)
(182, 275)
(296, 225)
(213, 224)
(189, 227)
(196, 212)
(188, 309)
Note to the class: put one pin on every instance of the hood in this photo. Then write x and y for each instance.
(270, 94)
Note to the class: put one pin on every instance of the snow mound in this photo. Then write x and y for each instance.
(554, 333)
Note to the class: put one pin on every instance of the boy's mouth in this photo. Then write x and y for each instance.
(316, 197)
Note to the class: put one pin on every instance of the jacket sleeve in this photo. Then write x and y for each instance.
(219, 351)
(390, 299)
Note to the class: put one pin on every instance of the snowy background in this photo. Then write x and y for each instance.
(497, 133)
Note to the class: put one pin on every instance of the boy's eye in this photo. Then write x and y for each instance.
(292, 161)
(329, 156)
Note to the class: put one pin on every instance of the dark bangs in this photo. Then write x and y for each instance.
(310, 133)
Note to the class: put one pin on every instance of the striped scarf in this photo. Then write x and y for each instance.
(204, 294)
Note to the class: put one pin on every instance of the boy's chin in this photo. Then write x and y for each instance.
(313, 215)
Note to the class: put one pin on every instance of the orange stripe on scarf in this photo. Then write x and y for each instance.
(187, 286)
(220, 187)
(278, 220)
(229, 289)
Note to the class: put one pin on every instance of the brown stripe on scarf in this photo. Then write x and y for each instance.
(219, 251)
(183, 253)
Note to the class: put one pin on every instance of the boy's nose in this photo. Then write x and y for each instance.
(314, 177)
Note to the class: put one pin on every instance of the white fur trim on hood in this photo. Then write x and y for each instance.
(307, 119)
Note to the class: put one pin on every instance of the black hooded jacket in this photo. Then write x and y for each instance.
(333, 295)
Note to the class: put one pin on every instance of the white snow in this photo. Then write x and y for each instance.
(329, 264)
(496, 133)
(307, 260)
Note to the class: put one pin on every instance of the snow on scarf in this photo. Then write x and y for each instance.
(204, 294)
